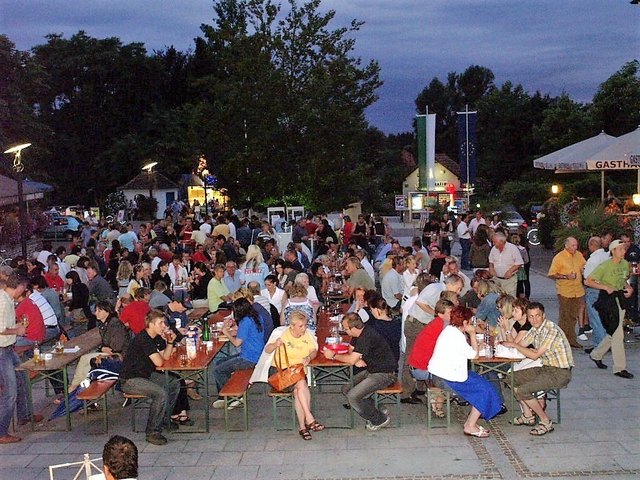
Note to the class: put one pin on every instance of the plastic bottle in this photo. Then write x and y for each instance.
(192, 346)
(487, 341)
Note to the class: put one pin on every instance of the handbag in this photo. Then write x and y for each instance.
(286, 377)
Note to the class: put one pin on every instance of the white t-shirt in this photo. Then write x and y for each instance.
(206, 228)
(276, 299)
(390, 285)
(463, 230)
(366, 264)
(48, 315)
(503, 261)
(595, 259)
(449, 360)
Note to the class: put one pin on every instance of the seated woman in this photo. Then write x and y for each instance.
(273, 292)
(114, 339)
(133, 315)
(302, 347)
(249, 336)
(449, 362)
(488, 293)
(303, 279)
(79, 303)
(123, 277)
(298, 301)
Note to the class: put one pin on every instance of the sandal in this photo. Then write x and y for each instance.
(542, 429)
(182, 419)
(305, 434)
(193, 394)
(524, 420)
(315, 426)
(481, 433)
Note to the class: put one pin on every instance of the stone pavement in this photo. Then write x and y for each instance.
(599, 437)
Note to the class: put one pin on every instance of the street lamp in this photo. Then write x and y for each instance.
(149, 168)
(636, 198)
(18, 167)
(555, 189)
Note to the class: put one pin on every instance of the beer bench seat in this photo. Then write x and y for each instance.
(94, 392)
(235, 390)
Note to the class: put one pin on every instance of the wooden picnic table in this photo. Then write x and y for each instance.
(498, 365)
(50, 369)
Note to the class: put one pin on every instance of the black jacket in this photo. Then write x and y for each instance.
(607, 308)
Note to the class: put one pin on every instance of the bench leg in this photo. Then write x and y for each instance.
(245, 411)
(432, 396)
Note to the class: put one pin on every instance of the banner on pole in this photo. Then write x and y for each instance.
(467, 141)
(426, 150)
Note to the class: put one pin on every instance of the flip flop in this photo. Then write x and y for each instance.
(481, 433)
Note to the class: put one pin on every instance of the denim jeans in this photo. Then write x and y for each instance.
(13, 394)
(225, 368)
(161, 396)
(598, 333)
(359, 395)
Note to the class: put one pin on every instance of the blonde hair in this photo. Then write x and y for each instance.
(242, 292)
(487, 286)
(450, 296)
(505, 305)
(298, 316)
(297, 290)
(125, 269)
(254, 257)
(386, 266)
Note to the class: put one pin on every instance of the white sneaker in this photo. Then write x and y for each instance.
(218, 403)
(235, 404)
(583, 337)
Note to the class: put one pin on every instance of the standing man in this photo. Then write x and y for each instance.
(476, 222)
(464, 235)
(504, 261)
(392, 284)
(566, 269)
(13, 383)
(611, 277)
(149, 349)
(597, 256)
(371, 352)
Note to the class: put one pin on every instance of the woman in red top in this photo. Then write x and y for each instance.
(423, 351)
(347, 230)
(133, 315)
(28, 310)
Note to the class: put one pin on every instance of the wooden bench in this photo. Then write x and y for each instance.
(432, 395)
(235, 390)
(285, 399)
(554, 394)
(390, 396)
(93, 393)
(137, 403)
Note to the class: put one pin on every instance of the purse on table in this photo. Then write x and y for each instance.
(286, 377)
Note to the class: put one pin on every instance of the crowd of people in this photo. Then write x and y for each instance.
(415, 314)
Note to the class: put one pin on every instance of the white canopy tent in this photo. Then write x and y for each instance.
(599, 153)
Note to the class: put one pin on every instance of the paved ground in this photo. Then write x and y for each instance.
(599, 437)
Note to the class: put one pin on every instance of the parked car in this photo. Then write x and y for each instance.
(511, 219)
(62, 227)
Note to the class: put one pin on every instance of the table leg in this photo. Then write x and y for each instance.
(167, 412)
(206, 398)
(65, 389)
(30, 400)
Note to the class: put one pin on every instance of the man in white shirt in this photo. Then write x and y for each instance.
(392, 284)
(476, 222)
(464, 235)
(597, 256)
(451, 267)
(424, 309)
(504, 262)
(207, 226)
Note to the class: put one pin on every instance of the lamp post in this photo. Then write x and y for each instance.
(555, 189)
(205, 183)
(18, 167)
(149, 169)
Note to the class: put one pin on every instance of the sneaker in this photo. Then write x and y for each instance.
(370, 426)
(156, 439)
(384, 410)
(235, 404)
(218, 403)
(587, 328)
(503, 410)
(583, 337)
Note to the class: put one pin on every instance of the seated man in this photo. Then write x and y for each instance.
(139, 376)
(551, 346)
(371, 352)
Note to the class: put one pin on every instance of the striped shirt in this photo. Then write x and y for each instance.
(558, 353)
(7, 318)
(48, 315)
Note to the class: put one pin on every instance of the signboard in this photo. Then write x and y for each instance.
(401, 202)
(633, 163)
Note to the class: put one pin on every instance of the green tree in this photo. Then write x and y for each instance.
(616, 105)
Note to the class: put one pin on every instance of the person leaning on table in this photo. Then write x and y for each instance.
(371, 352)
(139, 376)
(302, 347)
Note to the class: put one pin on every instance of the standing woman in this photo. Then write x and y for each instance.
(254, 268)
(449, 362)
(347, 231)
(302, 347)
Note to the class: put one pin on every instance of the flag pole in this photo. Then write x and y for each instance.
(466, 119)
(426, 154)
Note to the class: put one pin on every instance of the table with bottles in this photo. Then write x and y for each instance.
(49, 365)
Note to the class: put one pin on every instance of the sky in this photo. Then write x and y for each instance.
(552, 46)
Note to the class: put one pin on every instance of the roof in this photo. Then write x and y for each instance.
(445, 160)
(31, 190)
(190, 180)
(141, 182)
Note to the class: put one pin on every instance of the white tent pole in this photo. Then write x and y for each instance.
(602, 185)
